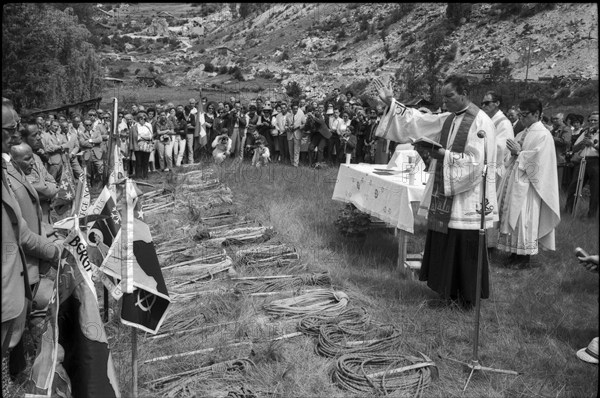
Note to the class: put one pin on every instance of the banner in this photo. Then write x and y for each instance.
(101, 233)
(146, 306)
(74, 358)
(66, 186)
(48, 377)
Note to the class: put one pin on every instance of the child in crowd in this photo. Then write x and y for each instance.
(262, 155)
(349, 142)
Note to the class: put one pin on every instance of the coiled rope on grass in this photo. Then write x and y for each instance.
(172, 385)
(274, 285)
(349, 318)
(335, 340)
(317, 302)
(384, 374)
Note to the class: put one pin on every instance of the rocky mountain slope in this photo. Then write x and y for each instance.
(322, 45)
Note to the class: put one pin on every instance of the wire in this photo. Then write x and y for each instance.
(349, 317)
(275, 285)
(383, 374)
(322, 301)
(335, 340)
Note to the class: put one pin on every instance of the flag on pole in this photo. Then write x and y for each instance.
(145, 306)
(66, 187)
(74, 357)
(82, 196)
(102, 232)
(48, 377)
(117, 172)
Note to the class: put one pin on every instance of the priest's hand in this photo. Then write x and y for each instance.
(385, 93)
(513, 147)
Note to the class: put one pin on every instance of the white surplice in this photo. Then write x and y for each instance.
(528, 194)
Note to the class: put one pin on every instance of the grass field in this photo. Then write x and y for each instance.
(533, 323)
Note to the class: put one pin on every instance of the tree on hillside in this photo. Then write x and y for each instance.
(431, 53)
(47, 57)
(500, 71)
(293, 90)
(245, 10)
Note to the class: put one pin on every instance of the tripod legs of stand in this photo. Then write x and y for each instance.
(475, 365)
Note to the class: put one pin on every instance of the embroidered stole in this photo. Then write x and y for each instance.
(440, 207)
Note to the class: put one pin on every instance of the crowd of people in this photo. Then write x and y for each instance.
(530, 160)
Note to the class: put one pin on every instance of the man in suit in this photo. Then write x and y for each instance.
(320, 135)
(55, 144)
(44, 184)
(18, 240)
(91, 141)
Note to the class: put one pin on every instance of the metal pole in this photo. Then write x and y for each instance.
(134, 363)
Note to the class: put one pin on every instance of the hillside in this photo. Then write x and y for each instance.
(326, 45)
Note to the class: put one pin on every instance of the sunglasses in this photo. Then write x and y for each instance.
(486, 103)
(87, 125)
(523, 114)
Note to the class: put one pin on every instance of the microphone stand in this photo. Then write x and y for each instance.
(474, 363)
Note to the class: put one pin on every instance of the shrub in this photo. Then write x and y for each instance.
(223, 70)
(208, 67)
(451, 53)
(589, 91)
(334, 48)
(342, 34)
(237, 74)
(361, 37)
(284, 56)
(293, 90)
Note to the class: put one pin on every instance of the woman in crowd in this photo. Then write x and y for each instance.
(179, 139)
(142, 145)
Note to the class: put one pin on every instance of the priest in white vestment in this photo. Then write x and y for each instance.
(504, 130)
(528, 194)
(452, 199)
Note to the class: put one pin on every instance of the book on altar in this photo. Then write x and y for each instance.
(425, 142)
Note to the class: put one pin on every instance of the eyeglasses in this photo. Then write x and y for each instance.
(87, 124)
(523, 113)
(486, 103)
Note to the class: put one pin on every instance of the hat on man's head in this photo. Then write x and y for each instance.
(590, 353)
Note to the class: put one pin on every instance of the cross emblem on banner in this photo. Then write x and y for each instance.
(146, 301)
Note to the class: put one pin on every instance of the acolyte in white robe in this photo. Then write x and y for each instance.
(462, 172)
(528, 194)
(504, 131)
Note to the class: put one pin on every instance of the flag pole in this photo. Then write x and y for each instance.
(134, 363)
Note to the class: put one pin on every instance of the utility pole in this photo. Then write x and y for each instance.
(528, 57)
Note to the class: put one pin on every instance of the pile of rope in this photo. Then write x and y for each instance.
(268, 255)
(244, 236)
(177, 384)
(335, 340)
(381, 374)
(282, 284)
(317, 302)
(199, 271)
(349, 318)
(158, 202)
